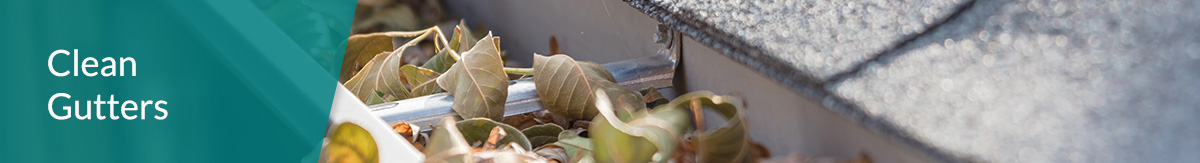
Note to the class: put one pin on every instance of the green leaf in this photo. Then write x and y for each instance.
(478, 130)
(569, 148)
(578, 148)
(360, 49)
(539, 141)
(442, 61)
(649, 135)
(376, 98)
(542, 134)
(729, 143)
(448, 55)
(565, 86)
(447, 144)
(415, 76)
(351, 143)
(477, 82)
(466, 39)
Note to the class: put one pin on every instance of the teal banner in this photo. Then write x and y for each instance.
(168, 81)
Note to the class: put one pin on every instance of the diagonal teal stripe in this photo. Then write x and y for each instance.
(268, 59)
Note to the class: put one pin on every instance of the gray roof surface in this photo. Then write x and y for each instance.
(819, 38)
(1003, 81)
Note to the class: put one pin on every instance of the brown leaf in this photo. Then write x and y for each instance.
(465, 37)
(531, 119)
(477, 130)
(494, 137)
(404, 129)
(477, 82)
(382, 73)
(566, 86)
(360, 49)
(447, 144)
(554, 46)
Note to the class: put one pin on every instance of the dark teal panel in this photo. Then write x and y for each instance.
(244, 81)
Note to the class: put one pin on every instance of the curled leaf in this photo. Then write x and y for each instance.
(478, 130)
(449, 54)
(477, 82)
(406, 130)
(350, 143)
(645, 136)
(382, 73)
(565, 86)
(729, 143)
(447, 144)
(360, 49)
(542, 134)
(415, 76)
(466, 38)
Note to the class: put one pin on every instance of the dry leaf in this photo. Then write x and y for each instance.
(447, 144)
(383, 74)
(565, 86)
(406, 130)
(415, 76)
(554, 46)
(478, 130)
(494, 138)
(466, 38)
(360, 49)
(477, 82)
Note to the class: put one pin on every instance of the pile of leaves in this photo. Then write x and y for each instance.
(604, 122)
(589, 118)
